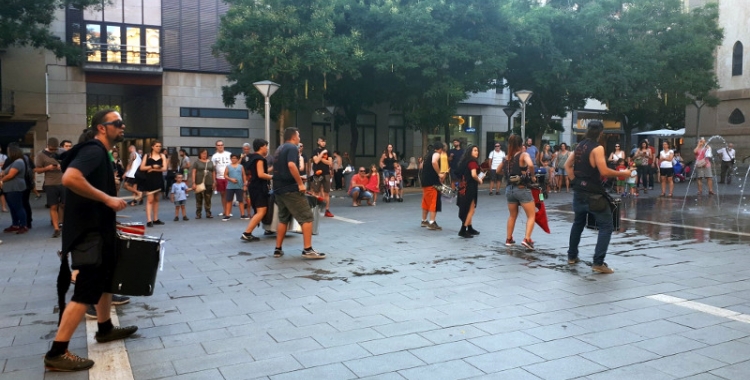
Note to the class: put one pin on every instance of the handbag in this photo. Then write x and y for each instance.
(88, 251)
(701, 163)
(201, 187)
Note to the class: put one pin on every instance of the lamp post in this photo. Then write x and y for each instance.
(509, 111)
(523, 96)
(267, 88)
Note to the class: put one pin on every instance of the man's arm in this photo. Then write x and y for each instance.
(569, 166)
(76, 182)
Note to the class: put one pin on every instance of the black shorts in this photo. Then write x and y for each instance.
(92, 281)
(55, 194)
(258, 197)
(666, 172)
(130, 181)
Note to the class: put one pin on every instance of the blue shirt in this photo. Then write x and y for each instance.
(236, 173)
(532, 151)
(180, 191)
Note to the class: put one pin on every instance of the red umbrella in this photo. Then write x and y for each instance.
(541, 213)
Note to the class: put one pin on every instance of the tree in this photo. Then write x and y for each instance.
(27, 22)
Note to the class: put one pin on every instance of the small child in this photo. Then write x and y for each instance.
(399, 182)
(632, 179)
(178, 195)
(621, 180)
(374, 185)
(393, 185)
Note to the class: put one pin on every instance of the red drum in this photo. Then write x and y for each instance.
(138, 259)
(132, 228)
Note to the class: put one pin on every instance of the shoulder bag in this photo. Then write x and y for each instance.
(201, 187)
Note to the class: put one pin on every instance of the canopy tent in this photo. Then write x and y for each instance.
(663, 133)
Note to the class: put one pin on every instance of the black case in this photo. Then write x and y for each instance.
(137, 264)
(615, 208)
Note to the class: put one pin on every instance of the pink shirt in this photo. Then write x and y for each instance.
(373, 185)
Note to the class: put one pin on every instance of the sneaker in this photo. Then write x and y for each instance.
(574, 261)
(509, 242)
(221, 214)
(56, 234)
(249, 237)
(12, 229)
(472, 231)
(328, 214)
(245, 217)
(603, 269)
(185, 218)
(149, 224)
(434, 226)
(22, 230)
(465, 234)
(91, 312)
(424, 223)
(313, 254)
(119, 300)
(116, 333)
(158, 222)
(176, 219)
(266, 233)
(278, 252)
(528, 243)
(67, 362)
(225, 219)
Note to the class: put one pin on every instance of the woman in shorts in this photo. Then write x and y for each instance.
(666, 170)
(562, 175)
(517, 169)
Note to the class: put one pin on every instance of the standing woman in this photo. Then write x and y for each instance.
(545, 154)
(616, 156)
(703, 166)
(518, 169)
(203, 172)
(154, 165)
(468, 188)
(666, 171)
(562, 175)
(388, 160)
(13, 183)
(642, 157)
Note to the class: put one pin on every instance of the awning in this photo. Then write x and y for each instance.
(663, 133)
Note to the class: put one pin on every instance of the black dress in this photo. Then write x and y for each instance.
(154, 180)
(468, 190)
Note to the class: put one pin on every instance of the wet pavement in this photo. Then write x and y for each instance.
(396, 301)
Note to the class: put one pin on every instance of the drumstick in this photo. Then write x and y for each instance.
(129, 197)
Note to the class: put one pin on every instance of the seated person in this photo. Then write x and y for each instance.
(358, 190)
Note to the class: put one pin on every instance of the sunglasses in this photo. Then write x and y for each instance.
(117, 124)
(362, 171)
(617, 146)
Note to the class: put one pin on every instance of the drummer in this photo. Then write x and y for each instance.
(89, 235)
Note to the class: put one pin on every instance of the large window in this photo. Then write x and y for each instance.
(117, 43)
(213, 132)
(737, 59)
(366, 131)
(214, 113)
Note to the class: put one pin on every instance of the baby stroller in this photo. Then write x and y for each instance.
(682, 172)
(385, 188)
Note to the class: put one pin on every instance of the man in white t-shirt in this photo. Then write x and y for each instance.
(221, 160)
(727, 155)
(496, 157)
(134, 162)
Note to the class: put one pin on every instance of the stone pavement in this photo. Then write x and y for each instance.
(396, 301)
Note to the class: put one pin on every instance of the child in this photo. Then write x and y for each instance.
(399, 183)
(621, 180)
(178, 195)
(236, 180)
(548, 175)
(393, 185)
(632, 179)
(374, 185)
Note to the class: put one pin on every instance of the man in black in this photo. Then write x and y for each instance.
(289, 194)
(585, 166)
(454, 157)
(91, 202)
(321, 168)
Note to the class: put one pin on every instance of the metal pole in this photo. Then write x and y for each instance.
(698, 121)
(523, 123)
(268, 119)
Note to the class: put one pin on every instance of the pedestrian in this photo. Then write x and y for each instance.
(289, 194)
(234, 173)
(585, 167)
(562, 176)
(531, 149)
(221, 160)
(496, 157)
(642, 158)
(13, 183)
(91, 201)
(154, 165)
(257, 189)
(666, 171)
(4, 203)
(131, 183)
(373, 184)
(184, 164)
(468, 190)
(432, 175)
(173, 167)
(47, 162)
(178, 195)
(518, 170)
(454, 157)
(203, 177)
(703, 166)
(321, 168)
(728, 156)
(338, 171)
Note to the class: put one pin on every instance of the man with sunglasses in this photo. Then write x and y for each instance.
(47, 162)
(358, 189)
(92, 203)
(221, 159)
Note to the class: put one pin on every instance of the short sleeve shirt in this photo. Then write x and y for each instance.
(51, 177)
(18, 183)
(324, 168)
(221, 161)
(180, 191)
(283, 181)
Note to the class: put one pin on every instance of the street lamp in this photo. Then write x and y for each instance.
(509, 111)
(267, 88)
(523, 96)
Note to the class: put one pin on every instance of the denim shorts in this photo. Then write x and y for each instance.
(516, 195)
(179, 203)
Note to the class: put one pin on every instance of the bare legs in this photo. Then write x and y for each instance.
(152, 207)
(528, 208)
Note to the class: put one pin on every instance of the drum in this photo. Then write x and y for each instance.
(615, 206)
(138, 259)
(135, 228)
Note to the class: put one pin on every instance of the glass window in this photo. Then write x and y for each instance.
(737, 59)
(114, 53)
(134, 45)
(93, 43)
(736, 117)
(153, 46)
(213, 132)
(215, 113)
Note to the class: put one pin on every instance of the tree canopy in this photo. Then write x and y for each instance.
(27, 22)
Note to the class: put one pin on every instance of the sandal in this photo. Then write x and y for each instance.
(711, 193)
(662, 194)
(355, 205)
(670, 195)
(133, 203)
(699, 192)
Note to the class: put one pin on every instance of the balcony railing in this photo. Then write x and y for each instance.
(7, 102)
(128, 57)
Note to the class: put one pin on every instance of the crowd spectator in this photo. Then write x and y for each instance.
(468, 190)
(703, 166)
(496, 157)
(666, 170)
(204, 173)
(153, 166)
(13, 183)
(358, 188)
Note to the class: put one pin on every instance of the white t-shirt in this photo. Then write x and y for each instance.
(497, 158)
(134, 166)
(726, 154)
(221, 161)
(664, 155)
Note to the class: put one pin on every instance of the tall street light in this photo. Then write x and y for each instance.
(523, 96)
(267, 88)
(509, 111)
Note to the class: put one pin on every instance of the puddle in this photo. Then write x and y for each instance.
(322, 275)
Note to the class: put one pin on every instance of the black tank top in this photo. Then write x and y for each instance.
(582, 164)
